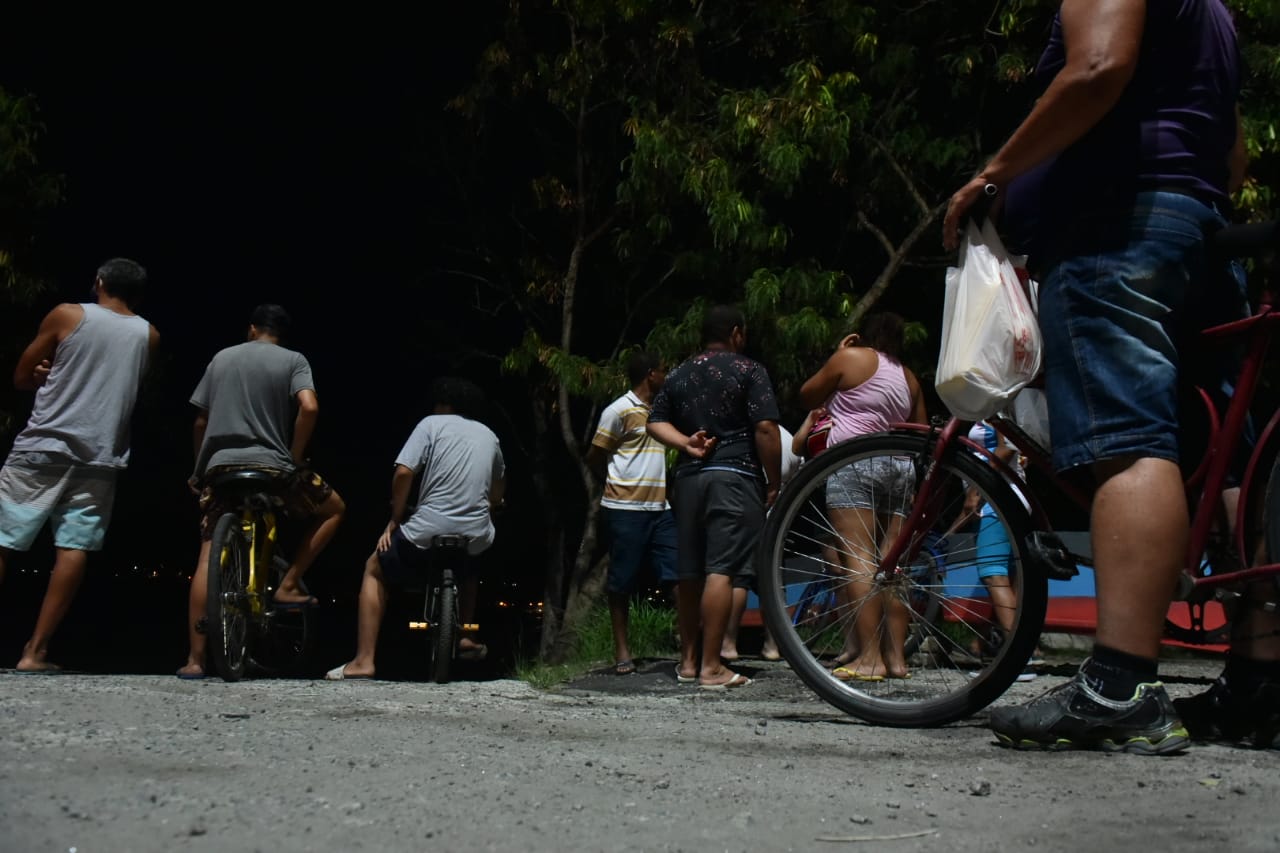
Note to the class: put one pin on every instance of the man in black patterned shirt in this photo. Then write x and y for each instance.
(718, 409)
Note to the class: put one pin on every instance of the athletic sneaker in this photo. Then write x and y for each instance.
(1075, 716)
(1221, 714)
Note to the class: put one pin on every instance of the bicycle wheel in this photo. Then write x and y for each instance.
(227, 605)
(444, 632)
(285, 639)
(955, 671)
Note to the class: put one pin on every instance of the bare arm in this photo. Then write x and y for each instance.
(1238, 162)
(769, 449)
(919, 414)
(799, 441)
(598, 461)
(697, 445)
(1103, 39)
(401, 482)
(304, 424)
(34, 363)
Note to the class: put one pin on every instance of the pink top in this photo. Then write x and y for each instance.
(882, 400)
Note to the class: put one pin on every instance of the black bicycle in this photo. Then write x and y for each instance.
(440, 614)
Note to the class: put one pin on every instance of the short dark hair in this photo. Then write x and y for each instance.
(461, 395)
(883, 331)
(271, 318)
(717, 326)
(123, 279)
(639, 365)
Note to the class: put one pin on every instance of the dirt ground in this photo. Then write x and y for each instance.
(149, 763)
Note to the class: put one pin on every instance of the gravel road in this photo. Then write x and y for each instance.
(124, 763)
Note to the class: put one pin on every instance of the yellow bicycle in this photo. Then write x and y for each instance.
(247, 631)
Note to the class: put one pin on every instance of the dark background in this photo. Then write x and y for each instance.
(244, 162)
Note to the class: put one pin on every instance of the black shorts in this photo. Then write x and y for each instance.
(405, 562)
(719, 515)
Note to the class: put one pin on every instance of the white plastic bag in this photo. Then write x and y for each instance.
(1030, 411)
(990, 340)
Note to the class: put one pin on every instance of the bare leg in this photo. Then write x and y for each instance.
(717, 602)
(196, 607)
(897, 617)
(317, 536)
(468, 592)
(373, 603)
(619, 617)
(846, 603)
(729, 646)
(1003, 602)
(857, 529)
(64, 581)
(689, 616)
(1140, 530)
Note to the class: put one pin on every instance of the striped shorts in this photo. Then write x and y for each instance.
(74, 499)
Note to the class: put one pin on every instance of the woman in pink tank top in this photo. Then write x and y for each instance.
(867, 389)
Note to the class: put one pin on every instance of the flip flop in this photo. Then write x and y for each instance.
(624, 667)
(50, 670)
(738, 680)
(191, 676)
(477, 652)
(846, 674)
(339, 673)
(685, 679)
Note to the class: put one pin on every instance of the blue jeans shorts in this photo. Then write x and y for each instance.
(1113, 312)
(635, 534)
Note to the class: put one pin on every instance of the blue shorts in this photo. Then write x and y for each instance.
(633, 535)
(74, 499)
(1113, 314)
(992, 551)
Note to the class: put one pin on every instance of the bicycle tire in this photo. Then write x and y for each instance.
(900, 704)
(286, 637)
(444, 633)
(227, 618)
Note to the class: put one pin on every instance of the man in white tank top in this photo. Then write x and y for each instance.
(85, 365)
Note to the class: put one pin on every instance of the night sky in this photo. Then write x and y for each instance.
(243, 163)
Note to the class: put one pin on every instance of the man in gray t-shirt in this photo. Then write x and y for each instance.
(463, 477)
(257, 409)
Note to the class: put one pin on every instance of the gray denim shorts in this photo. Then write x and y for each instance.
(885, 484)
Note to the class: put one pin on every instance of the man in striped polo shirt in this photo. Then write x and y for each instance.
(634, 506)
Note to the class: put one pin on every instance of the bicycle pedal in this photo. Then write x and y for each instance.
(471, 626)
(419, 626)
(1047, 549)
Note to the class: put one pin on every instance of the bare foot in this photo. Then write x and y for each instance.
(722, 676)
(295, 597)
(191, 670)
(861, 670)
(348, 672)
(30, 664)
(770, 652)
(728, 653)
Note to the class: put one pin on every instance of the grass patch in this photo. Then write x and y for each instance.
(651, 633)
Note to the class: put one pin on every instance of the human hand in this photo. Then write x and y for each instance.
(384, 541)
(770, 495)
(40, 373)
(700, 444)
(961, 203)
(193, 483)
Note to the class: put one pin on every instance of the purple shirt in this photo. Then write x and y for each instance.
(1172, 130)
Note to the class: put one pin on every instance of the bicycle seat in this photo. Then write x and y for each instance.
(249, 478)
(450, 542)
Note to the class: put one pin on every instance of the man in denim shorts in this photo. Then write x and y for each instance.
(634, 508)
(85, 365)
(257, 409)
(1124, 166)
(718, 409)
